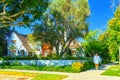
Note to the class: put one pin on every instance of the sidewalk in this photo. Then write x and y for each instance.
(93, 74)
(86, 75)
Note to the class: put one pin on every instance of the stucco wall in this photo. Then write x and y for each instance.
(46, 62)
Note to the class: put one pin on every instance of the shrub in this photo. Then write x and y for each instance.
(88, 65)
(5, 63)
(77, 66)
(1, 58)
(16, 63)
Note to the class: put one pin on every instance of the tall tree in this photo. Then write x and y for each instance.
(113, 34)
(64, 21)
(4, 32)
(20, 12)
(96, 43)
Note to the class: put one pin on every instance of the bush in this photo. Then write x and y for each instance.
(16, 63)
(1, 59)
(77, 66)
(5, 63)
(88, 65)
(20, 58)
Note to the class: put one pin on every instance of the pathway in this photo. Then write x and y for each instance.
(93, 74)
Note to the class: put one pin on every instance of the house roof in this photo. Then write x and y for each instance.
(24, 40)
(74, 45)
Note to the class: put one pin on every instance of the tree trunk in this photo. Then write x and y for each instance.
(57, 48)
(64, 50)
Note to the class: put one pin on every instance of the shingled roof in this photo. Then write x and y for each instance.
(24, 40)
(74, 45)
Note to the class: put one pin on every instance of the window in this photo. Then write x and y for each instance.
(14, 41)
(29, 53)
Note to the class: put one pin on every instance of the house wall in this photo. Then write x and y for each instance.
(18, 44)
(37, 52)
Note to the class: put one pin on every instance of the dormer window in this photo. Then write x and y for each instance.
(14, 41)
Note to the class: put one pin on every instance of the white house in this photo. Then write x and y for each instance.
(18, 45)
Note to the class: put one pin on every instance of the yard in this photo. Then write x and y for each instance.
(113, 71)
(5, 75)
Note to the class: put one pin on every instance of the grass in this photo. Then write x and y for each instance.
(49, 77)
(36, 76)
(41, 68)
(113, 71)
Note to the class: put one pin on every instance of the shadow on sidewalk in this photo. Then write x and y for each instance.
(104, 66)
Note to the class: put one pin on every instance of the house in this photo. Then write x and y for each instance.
(19, 45)
(74, 46)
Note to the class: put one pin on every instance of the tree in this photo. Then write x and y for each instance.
(95, 43)
(20, 12)
(35, 44)
(113, 34)
(4, 32)
(64, 21)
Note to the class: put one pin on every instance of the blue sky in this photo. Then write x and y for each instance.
(100, 14)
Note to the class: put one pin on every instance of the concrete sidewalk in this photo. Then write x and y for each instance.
(86, 75)
(93, 74)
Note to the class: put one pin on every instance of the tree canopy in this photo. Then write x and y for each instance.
(64, 21)
(112, 34)
(21, 12)
(4, 32)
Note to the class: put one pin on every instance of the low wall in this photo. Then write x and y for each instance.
(1, 61)
(46, 62)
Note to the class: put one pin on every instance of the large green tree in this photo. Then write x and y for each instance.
(96, 43)
(20, 12)
(64, 21)
(113, 34)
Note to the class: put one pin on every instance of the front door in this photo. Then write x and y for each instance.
(22, 53)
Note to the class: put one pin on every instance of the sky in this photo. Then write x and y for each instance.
(101, 12)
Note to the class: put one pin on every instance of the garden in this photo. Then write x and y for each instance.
(75, 67)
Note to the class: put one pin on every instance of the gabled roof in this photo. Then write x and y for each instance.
(25, 41)
(74, 45)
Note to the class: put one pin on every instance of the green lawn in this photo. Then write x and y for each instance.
(35, 76)
(113, 71)
(49, 77)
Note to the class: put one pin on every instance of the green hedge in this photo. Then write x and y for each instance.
(44, 58)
